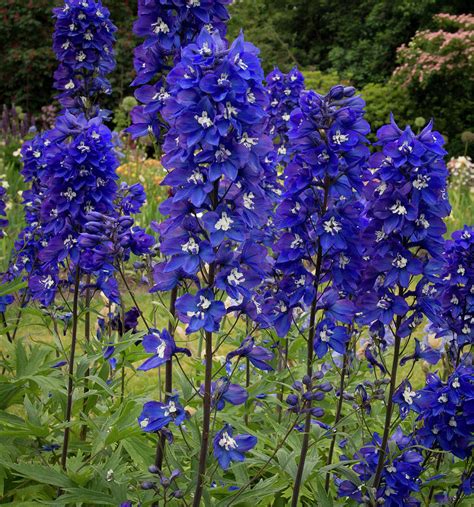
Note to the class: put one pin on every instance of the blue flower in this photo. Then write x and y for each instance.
(223, 391)
(228, 448)
(156, 415)
(163, 347)
(328, 334)
(258, 356)
(200, 311)
(83, 42)
(404, 398)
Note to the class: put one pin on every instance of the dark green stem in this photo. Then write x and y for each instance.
(160, 447)
(72, 355)
(206, 420)
(389, 409)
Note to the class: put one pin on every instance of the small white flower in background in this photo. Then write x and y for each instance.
(461, 172)
(5, 184)
(110, 475)
(17, 153)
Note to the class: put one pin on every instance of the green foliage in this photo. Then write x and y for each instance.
(321, 82)
(122, 113)
(28, 61)
(383, 99)
(356, 38)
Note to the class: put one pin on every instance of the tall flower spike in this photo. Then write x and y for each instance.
(318, 252)
(406, 201)
(456, 292)
(83, 42)
(284, 91)
(167, 26)
(222, 187)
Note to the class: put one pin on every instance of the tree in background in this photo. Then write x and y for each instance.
(28, 61)
(436, 69)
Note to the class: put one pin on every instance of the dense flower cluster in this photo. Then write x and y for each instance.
(167, 26)
(108, 240)
(456, 291)
(319, 214)
(400, 478)
(83, 43)
(446, 412)
(221, 183)
(406, 203)
(71, 168)
(284, 92)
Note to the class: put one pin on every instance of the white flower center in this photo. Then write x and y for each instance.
(69, 242)
(205, 50)
(160, 350)
(223, 79)
(247, 141)
(398, 209)
(421, 182)
(204, 303)
(227, 442)
(408, 395)
(69, 194)
(297, 242)
(248, 200)
(190, 247)
(47, 282)
(343, 261)
(339, 138)
(422, 222)
(196, 177)
(235, 277)
(204, 120)
(400, 262)
(224, 223)
(384, 303)
(222, 153)
(171, 408)
(145, 422)
(160, 26)
(325, 334)
(332, 226)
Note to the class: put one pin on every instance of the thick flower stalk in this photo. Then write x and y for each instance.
(166, 26)
(71, 167)
(318, 252)
(284, 91)
(406, 204)
(221, 189)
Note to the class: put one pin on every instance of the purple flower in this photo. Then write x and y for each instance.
(163, 347)
(200, 311)
(228, 448)
(328, 334)
(223, 391)
(156, 415)
(258, 356)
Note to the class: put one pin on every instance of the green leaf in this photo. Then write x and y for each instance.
(40, 473)
(12, 287)
(85, 496)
